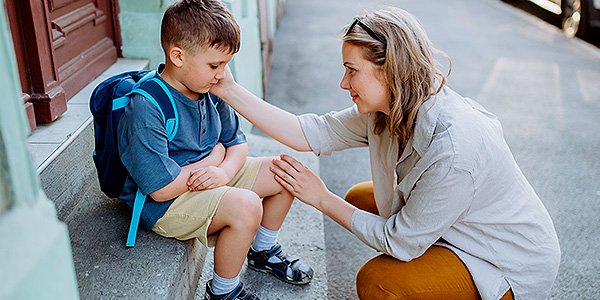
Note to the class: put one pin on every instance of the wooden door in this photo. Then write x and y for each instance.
(61, 46)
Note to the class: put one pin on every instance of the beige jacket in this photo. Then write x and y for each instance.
(456, 184)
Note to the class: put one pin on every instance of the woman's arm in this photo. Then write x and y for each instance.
(277, 123)
(437, 201)
(310, 189)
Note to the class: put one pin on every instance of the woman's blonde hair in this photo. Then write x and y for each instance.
(408, 62)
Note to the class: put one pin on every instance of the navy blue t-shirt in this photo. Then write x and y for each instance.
(152, 161)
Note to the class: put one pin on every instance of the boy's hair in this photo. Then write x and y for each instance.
(196, 24)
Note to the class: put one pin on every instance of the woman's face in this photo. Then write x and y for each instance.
(365, 82)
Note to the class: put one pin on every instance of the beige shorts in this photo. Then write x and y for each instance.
(191, 213)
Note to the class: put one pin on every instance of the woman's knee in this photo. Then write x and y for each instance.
(426, 277)
(361, 195)
(371, 277)
(385, 277)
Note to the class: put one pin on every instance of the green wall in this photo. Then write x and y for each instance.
(35, 253)
(140, 31)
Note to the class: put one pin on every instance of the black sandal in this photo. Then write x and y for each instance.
(239, 293)
(259, 261)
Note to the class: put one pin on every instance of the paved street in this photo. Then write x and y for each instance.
(544, 87)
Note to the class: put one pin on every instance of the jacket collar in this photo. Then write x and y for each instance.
(426, 121)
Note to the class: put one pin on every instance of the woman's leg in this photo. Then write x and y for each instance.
(361, 196)
(437, 274)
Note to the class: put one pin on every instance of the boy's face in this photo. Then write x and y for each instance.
(203, 69)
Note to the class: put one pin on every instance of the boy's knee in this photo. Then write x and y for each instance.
(266, 185)
(267, 163)
(248, 208)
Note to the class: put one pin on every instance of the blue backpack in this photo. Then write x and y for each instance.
(107, 104)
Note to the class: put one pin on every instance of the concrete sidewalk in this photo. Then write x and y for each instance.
(542, 86)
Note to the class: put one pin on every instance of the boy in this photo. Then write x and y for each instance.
(201, 184)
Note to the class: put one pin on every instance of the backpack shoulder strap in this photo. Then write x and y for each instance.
(158, 93)
(138, 205)
(213, 99)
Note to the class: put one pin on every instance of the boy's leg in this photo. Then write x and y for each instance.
(266, 254)
(237, 217)
(235, 213)
(276, 200)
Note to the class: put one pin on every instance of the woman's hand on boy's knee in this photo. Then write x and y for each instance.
(207, 178)
(303, 183)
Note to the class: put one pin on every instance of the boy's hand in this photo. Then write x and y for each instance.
(207, 178)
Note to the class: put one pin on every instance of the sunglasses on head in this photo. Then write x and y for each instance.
(366, 28)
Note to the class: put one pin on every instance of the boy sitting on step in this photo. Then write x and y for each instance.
(201, 183)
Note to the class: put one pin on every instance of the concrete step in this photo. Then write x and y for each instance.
(157, 268)
(301, 236)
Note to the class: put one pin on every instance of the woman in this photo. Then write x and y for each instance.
(448, 206)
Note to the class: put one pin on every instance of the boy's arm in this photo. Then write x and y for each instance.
(179, 185)
(235, 158)
(212, 177)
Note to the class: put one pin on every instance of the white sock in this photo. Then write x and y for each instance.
(264, 239)
(222, 285)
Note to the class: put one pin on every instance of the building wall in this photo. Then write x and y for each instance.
(140, 31)
(35, 253)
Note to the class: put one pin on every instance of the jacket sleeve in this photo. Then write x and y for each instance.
(440, 198)
(335, 130)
